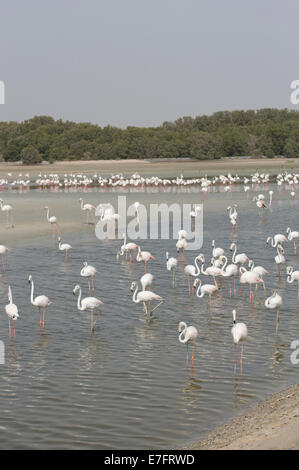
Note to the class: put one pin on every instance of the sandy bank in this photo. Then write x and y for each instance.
(272, 424)
(156, 167)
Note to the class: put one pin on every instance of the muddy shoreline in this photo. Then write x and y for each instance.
(271, 424)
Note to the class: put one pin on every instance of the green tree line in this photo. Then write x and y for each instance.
(265, 132)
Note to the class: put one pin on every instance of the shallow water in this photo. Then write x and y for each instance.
(127, 385)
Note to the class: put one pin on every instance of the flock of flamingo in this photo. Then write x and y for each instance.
(219, 267)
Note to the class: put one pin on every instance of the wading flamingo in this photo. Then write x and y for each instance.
(239, 334)
(249, 277)
(144, 256)
(12, 312)
(187, 334)
(280, 258)
(88, 208)
(192, 271)
(146, 281)
(127, 248)
(65, 247)
(206, 289)
(278, 238)
(53, 221)
(230, 270)
(3, 250)
(258, 270)
(239, 259)
(7, 208)
(41, 302)
(217, 251)
(88, 303)
(292, 236)
(146, 297)
(89, 271)
(274, 302)
(210, 270)
(171, 265)
(292, 276)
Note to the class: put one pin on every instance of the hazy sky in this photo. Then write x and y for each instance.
(142, 62)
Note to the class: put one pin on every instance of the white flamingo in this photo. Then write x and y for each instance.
(146, 297)
(65, 247)
(274, 302)
(278, 238)
(144, 257)
(192, 271)
(210, 270)
(205, 289)
(7, 208)
(239, 259)
(146, 281)
(3, 250)
(171, 265)
(12, 312)
(239, 334)
(260, 270)
(89, 209)
(217, 251)
(187, 334)
(292, 236)
(292, 276)
(41, 302)
(88, 303)
(280, 258)
(53, 221)
(89, 271)
(249, 277)
(127, 248)
(230, 270)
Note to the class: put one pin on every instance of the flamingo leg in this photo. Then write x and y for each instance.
(40, 317)
(92, 283)
(89, 285)
(14, 328)
(241, 359)
(235, 354)
(189, 285)
(187, 357)
(192, 354)
(277, 321)
(130, 257)
(144, 266)
(44, 313)
(9, 328)
(158, 305)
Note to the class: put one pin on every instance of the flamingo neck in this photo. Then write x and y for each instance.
(135, 294)
(234, 254)
(197, 267)
(183, 333)
(79, 300)
(32, 291)
(198, 289)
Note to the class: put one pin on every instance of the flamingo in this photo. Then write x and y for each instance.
(12, 312)
(292, 276)
(192, 271)
(89, 271)
(127, 248)
(211, 270)
(53, 221)
(279, 258)
(171, 264)
(260, 203)
(230, 270)
(144, 256)
(274, 302)
(292, 235)
(241, 258)
(65, 247)
(209, 289)
(271, 197)
(217, 251)
(260, 270)
(146, 281)
(88, 208)
(181, 244)
(3, 250)
(187, 334)
(7, 208)
(249, 277)
(41, 302)
(278, 238)
(88, 303)
(239, 333)
(146, 297)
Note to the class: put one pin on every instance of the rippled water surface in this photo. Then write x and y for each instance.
(127, 385)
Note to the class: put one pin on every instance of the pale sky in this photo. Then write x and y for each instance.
(142, 62)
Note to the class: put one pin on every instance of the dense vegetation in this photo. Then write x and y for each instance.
(267, 132)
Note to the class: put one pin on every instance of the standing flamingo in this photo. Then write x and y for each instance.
(53, 221)
(127, 248)
(88, 303)
(292, 276)
(249, 277)
(3, 250)
(7, 208)
(65, 247)
(278, 238)
(274, 302)
(12, 312)
(208, 289)
(192, 271)
(146, 281)
(239, 333)
(292, 236)
(146, 297)
(144, 256)
(89, 271)
(41, 302)
(88, 208)
(171, 264)
(187, 334)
